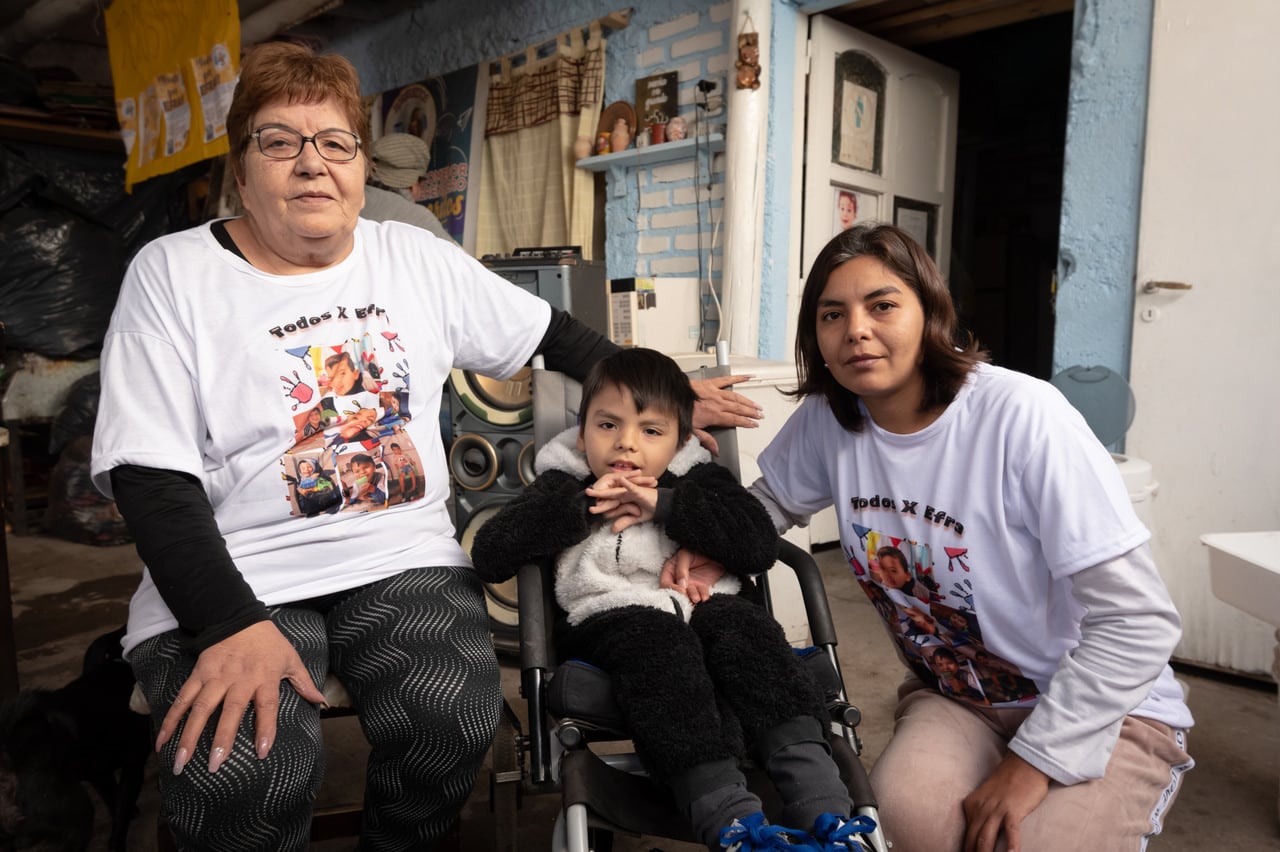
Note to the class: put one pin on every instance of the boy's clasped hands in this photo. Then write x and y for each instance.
(632, 498)
(626, 498)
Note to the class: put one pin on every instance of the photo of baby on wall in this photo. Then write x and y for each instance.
(850, 207)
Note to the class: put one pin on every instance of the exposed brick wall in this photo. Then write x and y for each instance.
(667, 220)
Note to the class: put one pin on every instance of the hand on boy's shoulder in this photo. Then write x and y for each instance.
(720, 406)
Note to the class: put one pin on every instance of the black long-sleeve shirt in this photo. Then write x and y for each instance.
(173, 525)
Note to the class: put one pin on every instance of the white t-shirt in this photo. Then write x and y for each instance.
(244, 379)
(993, 507)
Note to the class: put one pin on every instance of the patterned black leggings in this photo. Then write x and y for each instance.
(415, 654)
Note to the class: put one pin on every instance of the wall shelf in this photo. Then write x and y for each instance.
(650, 155)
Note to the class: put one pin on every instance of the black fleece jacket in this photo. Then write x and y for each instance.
(707, 511)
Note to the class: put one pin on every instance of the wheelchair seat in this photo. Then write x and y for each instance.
(571, 704)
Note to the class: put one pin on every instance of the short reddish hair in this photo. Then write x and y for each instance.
(293, 73)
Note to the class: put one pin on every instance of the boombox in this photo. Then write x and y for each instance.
(489, 428)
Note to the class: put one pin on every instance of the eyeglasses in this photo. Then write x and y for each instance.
(285, 143)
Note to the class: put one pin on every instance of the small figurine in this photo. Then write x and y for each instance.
(620, 139)
(676, 129)
(748, 63)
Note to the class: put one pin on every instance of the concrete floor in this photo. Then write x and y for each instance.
(66, 594)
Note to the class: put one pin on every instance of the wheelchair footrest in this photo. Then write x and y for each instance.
(634, 804)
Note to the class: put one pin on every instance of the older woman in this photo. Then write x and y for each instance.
(244, 588)
(1003, 509)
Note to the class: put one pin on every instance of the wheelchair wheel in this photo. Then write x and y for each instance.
(504, 785)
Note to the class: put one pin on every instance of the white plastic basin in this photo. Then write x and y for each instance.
(1244, 571)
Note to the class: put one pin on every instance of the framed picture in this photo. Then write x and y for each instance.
(858, 130)
(850, 206)
(920, 220)
(657, 98)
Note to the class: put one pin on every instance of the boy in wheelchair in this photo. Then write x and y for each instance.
(700, 686)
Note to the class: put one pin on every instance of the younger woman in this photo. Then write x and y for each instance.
(974, 460)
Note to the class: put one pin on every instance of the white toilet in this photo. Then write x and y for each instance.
(1104, 398)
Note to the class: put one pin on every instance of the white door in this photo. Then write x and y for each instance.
(880, 142)
(1206, 361)
(882, 126)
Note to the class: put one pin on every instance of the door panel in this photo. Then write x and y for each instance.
(910, 124)
(888, 140)
(1205, 361)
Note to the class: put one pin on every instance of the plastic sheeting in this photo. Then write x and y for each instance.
(67, 231)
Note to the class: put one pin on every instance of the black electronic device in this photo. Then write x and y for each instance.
(489, 431)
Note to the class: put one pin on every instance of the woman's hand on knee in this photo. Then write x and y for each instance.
(244, 668)
(1001, 803)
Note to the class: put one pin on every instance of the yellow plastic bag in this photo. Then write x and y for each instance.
(174, 65)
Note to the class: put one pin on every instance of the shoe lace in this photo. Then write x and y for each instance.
(838, 831)
(752, 834)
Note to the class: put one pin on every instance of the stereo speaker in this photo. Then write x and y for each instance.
(490, 462)
(489, 431)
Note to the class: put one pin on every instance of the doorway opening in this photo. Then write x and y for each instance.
(1014, 87)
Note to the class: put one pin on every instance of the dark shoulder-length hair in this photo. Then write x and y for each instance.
(948, 352)
(295, 74)
(655, 381)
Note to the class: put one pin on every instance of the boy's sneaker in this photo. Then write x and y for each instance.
(753, 834)
(834, 833)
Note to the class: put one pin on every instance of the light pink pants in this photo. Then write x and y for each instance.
(941, 750)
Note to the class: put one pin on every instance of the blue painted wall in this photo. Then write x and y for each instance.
(436, 38)
(1102, 184)
(774, 274)
(1104, 146)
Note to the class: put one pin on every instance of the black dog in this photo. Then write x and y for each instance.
(51, 741)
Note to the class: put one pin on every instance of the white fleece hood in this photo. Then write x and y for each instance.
(609, 570)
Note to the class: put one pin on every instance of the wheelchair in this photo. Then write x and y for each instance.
(571, 706)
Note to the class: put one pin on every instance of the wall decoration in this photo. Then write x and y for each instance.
(858, 130)
(440, 111)
(850, 207)
(657, 98)
(173, 70)
(748, 63)
(609, 118)
(920, 220)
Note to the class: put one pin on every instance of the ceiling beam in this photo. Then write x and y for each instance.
(940, 29)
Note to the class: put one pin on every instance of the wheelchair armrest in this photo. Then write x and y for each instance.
(812, 590)
(536, 618)
(537, 658)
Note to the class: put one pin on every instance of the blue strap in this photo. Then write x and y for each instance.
(836, 830)
(753, 834)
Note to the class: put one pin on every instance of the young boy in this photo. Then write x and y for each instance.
(367, 489)
(699, 685)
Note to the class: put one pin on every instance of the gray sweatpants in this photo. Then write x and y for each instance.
(415, 654)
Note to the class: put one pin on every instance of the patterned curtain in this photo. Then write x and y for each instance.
(531, 193)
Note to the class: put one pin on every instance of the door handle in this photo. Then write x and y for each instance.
(1154, 286)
